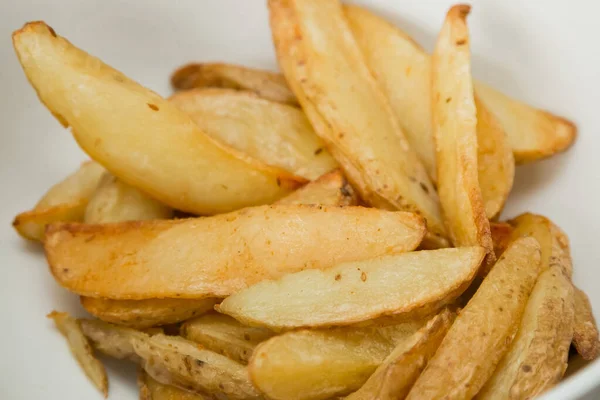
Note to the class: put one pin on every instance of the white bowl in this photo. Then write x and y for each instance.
(545, 53)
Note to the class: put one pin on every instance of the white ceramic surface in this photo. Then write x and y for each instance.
(543, 51)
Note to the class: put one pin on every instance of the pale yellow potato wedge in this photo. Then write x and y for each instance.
(268, 85)
(112, 118)
(326, 71)
(501, 236)
(403, 70)
(175, 361)
(323, 363)
(538, 355)
(64, 202)
(220, 255)
(143, 314)
(454, 124)
(112, 340)
(115, 201)
(358, 291)
(395, 376)
(151, 389)
(274, 133)
(81, 350)
(532, 134)
(331, 189)
(224, 335)
(585, 335)
(484, 329)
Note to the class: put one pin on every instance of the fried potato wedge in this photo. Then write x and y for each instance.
(585, 335)
(225, 335)
(64, 202)
(220, 255)
(268, 85)
(143, 314)
(112, 340)
(115, 201)
(358, 291)
(175, 361)
(323, 363)
(331, 189)
(112, 118)
(533, 134)
(395, 376)
(538, 355)
(454, 123)
(151, 389)
(274, 133)
(387, 50)
(501, 236)
(81, 349)
(484, 329)
(325, 69)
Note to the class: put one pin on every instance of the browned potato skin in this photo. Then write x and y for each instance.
(141, 314)
(268, 85)
(585, 337)
(501, 236)
(331, 189)
(484, 329)
(262, 243)
(454, 124)
(393, 379)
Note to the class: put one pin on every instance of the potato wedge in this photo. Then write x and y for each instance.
(585, 335)
(532, 134)
(501, 236)
(110, 115)
(64, 202)
(323, 363)
(276, 134)
(81, 350)
(484, 329)
(112, 340)
(358, 291)
(326, 71)
(225, 335)
(387, 50)
(175, 361)
(115, 201)
(454, 123)
(268, 85)
(331, 189)
(151, 389)
(143, 314)
(220, 255)
(538, 355)
(395, 376)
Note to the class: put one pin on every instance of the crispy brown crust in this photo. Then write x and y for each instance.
(585, 336)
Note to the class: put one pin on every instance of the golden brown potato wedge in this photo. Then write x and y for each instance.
(395, 376)
(175, 361)
(274, 133)
(151, 389)
(225, 335)
(358, 291)
(532, 134)
(115, 201)
(585, 336)
(112, 118)
(454, 124)
(268, 85)
(324, 67)
(323, 363)
(331, 189)
(143, 314)
(537, 358)
(81, 349)
(501, 236)
(64, 202)
(484, 329)
(219, 255)
(403, 70)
